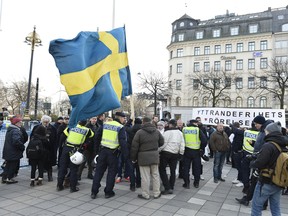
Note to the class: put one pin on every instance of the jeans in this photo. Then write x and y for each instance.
(263, 192)
(219, 158)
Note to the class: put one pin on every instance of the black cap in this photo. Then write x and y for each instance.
(193, 121)
(121, 114)
(60, 118)
(173, 122)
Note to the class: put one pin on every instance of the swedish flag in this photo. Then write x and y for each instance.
(94, 69)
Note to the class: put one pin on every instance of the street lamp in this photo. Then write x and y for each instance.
(32, 39)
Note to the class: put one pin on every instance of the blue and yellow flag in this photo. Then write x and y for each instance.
(94, 69)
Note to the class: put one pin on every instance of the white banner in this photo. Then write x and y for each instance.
(213, 115)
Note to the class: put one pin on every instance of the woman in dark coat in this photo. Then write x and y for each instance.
(12, 150)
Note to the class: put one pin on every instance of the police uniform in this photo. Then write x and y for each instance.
(113, 137)
(195, 142)
(249, 136)
(75, 137)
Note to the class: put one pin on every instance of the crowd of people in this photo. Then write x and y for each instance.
(141, 150)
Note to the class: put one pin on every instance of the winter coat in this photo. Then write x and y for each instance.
(269, 153)
(260, 137)
(14, 144)
(173, 142)
(219, 141)
(237, 143)
(145, 145)
(131, 131)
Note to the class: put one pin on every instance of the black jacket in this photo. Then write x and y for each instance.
(237, 142)
(269, 153)
(131, 131)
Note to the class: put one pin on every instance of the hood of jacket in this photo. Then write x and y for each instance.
(278, 138)
(149, 128)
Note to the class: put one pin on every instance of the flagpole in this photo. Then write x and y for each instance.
(113, 15)
(1, 14)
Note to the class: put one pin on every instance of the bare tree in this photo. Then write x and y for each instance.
(275, 80)
(215, 85)
(154, 84)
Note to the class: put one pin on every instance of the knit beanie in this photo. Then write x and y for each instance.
(15, 120)
(259, 120)
(273, 127)
(162, 123)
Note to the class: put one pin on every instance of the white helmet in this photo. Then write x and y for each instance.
(77, 158)
(95, 159)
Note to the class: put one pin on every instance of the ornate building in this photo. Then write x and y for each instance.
(230, 53)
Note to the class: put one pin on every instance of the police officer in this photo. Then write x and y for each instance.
(75, 138)
(111, 138)
(195, 143)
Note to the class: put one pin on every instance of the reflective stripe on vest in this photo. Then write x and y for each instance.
(77, 134)
(110, 134)
(191, 136)
(249, 135)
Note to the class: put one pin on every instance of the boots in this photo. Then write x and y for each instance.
(39, 182)
(50, 178)
(32, 183)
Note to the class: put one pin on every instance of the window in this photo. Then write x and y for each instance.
(217, 49)
(196, 51)
(263, 101)
(253, 28)
(239, 102)
(239, 64)
(251, 63)
(239, 47)
(239, 83)
(251, 46)
(280, 17)
(207, 50)
(251, 82)
(199, 35)
(181, 24)
(173, 38)
(170, 70)
(281, 59)
(179, 52)
(206, 82)
(216, 33)
(285, 27)
(263, 45)
(228, 48)
(281, 44)
(206, 66)
(228, 65)
(250, 102)
(178, 84)
(205, 101)
(227, 102)
(263, 63)
(171, 54)
(170, 84)
(196, 66)
(181, 37)
(234, 30)
(195, 101)
(195, 84)
(217, 66)
(178, 101)
(179, 68)
(263, 82)
(216, 83)
(228, 83)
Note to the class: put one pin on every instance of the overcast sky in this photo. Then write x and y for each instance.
(147, 22)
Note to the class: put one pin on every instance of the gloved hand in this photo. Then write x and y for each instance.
(201, 152)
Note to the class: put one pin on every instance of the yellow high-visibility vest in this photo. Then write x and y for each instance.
(249, 135)
(110, 134)
(191, 137)
(77, 135)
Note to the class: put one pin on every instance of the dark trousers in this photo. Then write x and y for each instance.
(123, 164)
(167, 158)
(237, 158)
(10, 169)
(65, 163)
(246, 171)
(107, 159)
(36, 164)
(191, 156)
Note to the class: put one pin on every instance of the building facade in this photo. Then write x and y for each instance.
(222, 62)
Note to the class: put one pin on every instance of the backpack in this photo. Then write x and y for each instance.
(34, 149)
(279, 175)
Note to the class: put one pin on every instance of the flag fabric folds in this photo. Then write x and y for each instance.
(94, 69)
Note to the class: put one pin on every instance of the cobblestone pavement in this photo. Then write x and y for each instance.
(209, 199)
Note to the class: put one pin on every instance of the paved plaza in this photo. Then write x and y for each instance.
(209, 199)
